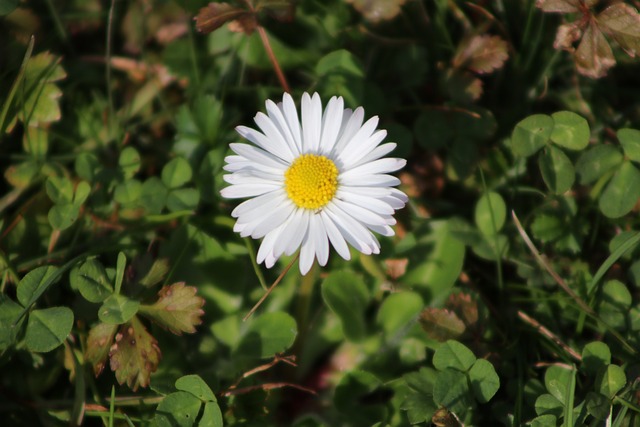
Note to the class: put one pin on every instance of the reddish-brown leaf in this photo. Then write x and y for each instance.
(567, 35)
(564, 6)
(135, 355)
(462, 86)
(178, 308)
(465, 307)
(594, 56)
(214, 15)
(441, 324)
(377, 10)
(482, 54)
(622, 22)
(395, 268)
(98, 344)
(244, 24)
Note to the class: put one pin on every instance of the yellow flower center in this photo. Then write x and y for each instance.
(311, 181)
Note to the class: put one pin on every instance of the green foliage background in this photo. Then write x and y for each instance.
(509, 295)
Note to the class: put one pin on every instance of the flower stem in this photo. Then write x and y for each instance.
(303, 304)
(271, 288)
(273, 59)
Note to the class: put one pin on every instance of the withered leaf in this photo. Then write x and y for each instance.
(463, 86)
(594, 56)
(465, 307)
(395, 268)
(622, 22)
(482, 54)
(567, 35)
(178, 308)
(564, 6)
(244, 24)
(98, 343)
(135, 355)
(377, 10)
(441, 324)
(282, 10)
(214, 15)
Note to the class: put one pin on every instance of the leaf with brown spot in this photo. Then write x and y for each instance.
(135, 355)
(441, 324)
(178, 308)
(98, 344)
(594, 56)
(464, 307)
(214, 15)
(377, 10)
(462, 86)
(622, 22)
(481, 54)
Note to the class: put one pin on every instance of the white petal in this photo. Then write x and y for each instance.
(332, 122)
(271, 143)
(349, 129)
(376, 205)
(253, 177)
(381, 180)
(278, 119)
(321, 240)
(291, 115)
(272, 219)
(386, 165)
(376, 153)
(293, 233)
(337, 240)
(362, 145)
(258, 155)
(247, 190)
(307, 252)
(249, 178)
(354, 232)
(364, 215)
(266, 248)
(385, 230)
(255, 208)
(257, 202)
(311, 122)
(276, 139)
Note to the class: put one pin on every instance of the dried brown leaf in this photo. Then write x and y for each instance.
(594, 56)
(465, 307)
(567, 35)
(178, 308)
(482, 54)
(462, 86)
(441, 324)
(282, 10)
(135, 355)
(564, 6)
(377, 10)
(622, 22)
(395, 268)
(98, 344)
(214, 15)
(244, 24)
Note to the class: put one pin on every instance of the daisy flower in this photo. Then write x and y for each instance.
(323, 179)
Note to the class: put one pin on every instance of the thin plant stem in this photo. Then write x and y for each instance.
(16, 83)
(272, 57)
(496, 240)
(256, 267)
(271, 288)
(108, 65)
(305, 292)
(563, 285)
